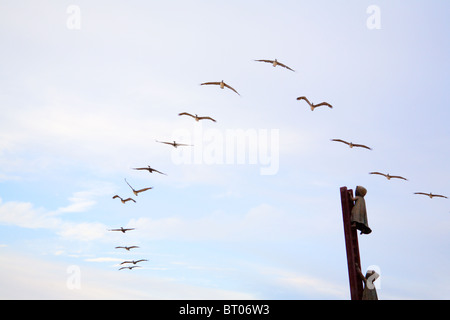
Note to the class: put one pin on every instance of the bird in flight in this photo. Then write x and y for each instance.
(313, 106)
(127, 248)
(174, 144)
(275, 63)
(196, 117)
(136, 192)
(388, 176)
(133, 262)
(124, 200)
(431, 195)
(131, 267)
(221, 84)
(122, 229)
(351, 144)
(150, 169)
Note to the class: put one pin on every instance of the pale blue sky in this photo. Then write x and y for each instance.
(80, 108)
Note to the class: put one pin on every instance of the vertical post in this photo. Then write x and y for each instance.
(351, 245)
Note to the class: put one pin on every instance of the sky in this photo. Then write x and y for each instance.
(251, 209)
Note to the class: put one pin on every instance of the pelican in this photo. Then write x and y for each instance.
(351, 144)
(388, 176)
(122, 229)
(136, 192)
(174, 143)
(221, 84)
(134, 262)
(196, 117)
(130, 267)
(150, 169)
(275, 63)
(431, 195)
(127, 248)
(124, 200)
(313, 106)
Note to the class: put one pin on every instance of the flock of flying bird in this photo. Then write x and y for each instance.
(124, 230)
(197, 118)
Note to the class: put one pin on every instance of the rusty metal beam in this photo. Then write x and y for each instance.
(351, 245)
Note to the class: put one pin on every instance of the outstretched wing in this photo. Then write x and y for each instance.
(129, 199)
(159, 172)
(171, 143)
(381, 174)
(116, 196)
(207, 118)
(425, 194)
(145, 189)
(284, 66)
(324, 104)
(208, 83)
(126, 262)
(141, 260)
(361, 146)
(186, 114)
(128, 184)
(399, 177)
(230, 87)
(440, 196)
(340, 140)
(304, 98)
(263, 60)
(127, 229)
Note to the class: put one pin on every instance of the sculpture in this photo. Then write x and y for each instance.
(359, 213)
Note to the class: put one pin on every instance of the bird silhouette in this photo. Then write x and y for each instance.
(388, 176)
(124, 200)
(136, 192)
(196, 117)
(351, 144)
(130, 267)
(122, 229)
(149, 169)
(127, 248)
(134, 262)
(174, 143)
(431, 195)
(275, 63)
(312, 105)
(221, 84)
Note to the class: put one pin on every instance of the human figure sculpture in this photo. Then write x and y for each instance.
(359, 213)
(369, 291)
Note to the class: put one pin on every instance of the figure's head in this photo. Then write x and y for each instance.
(360, 191)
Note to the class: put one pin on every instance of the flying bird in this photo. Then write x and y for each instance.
(431, 195)
(196, 117)
(150, 169)
(124, 200)
(174, 143)
(136, 192)
(122, 229)
(134, 262)
(312, 105)
(221, 84)
(388, 176)
(131, 267)
(351, 144)
(127, 248)
(275, 63)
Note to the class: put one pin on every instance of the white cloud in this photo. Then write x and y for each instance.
(23, 214)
